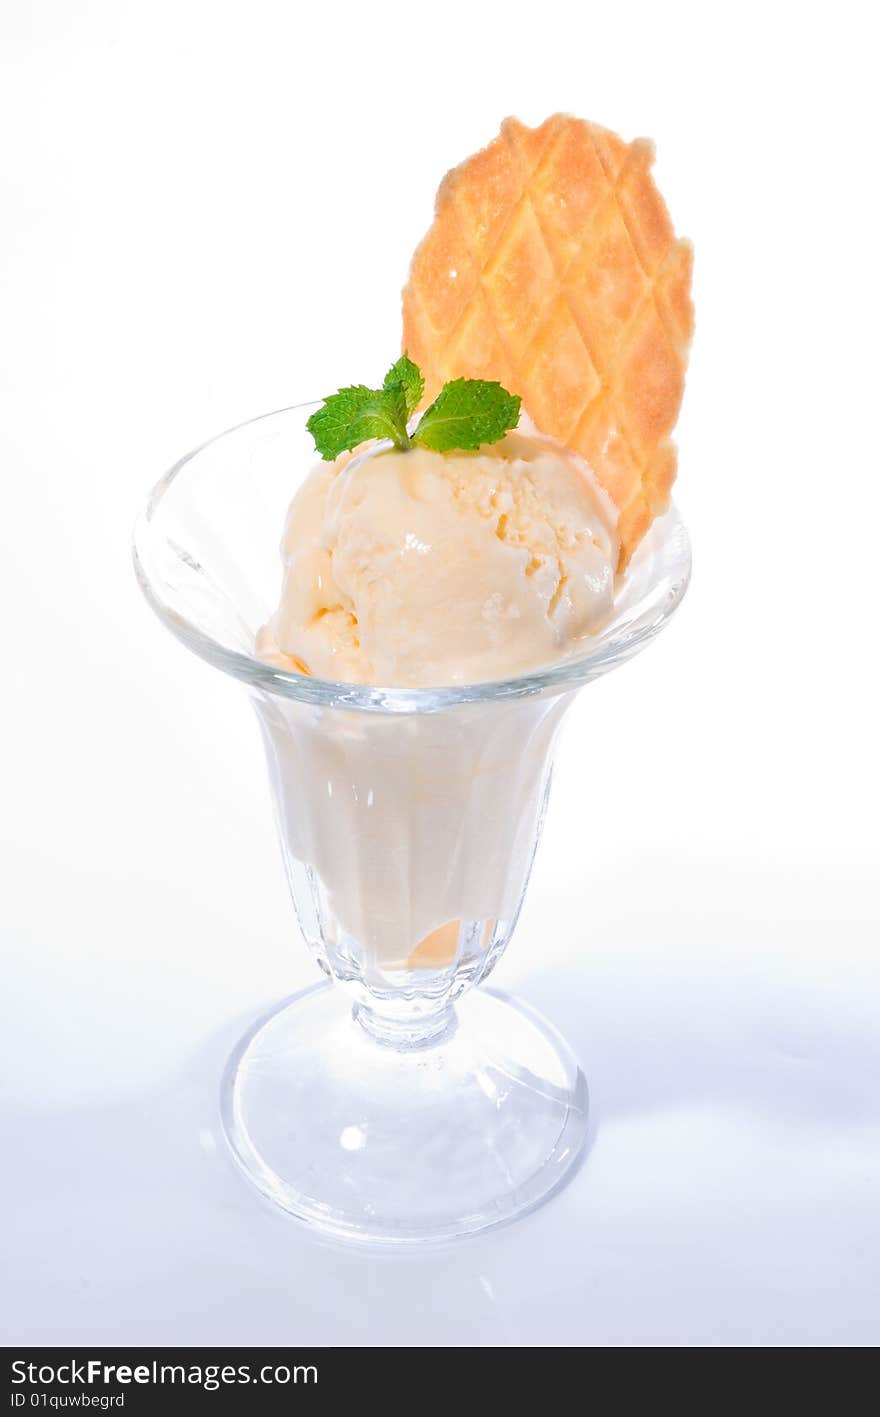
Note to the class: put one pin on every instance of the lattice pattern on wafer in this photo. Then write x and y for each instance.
(552, 266)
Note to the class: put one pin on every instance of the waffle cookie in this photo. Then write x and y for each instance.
(553, 267)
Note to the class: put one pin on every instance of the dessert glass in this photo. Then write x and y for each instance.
(394, 1102)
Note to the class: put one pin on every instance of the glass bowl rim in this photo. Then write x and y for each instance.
(568, 673)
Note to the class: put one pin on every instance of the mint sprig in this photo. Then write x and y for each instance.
(466, 414)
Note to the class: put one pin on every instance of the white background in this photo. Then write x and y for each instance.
(209, 211)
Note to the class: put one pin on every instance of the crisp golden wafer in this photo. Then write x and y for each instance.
(552, 266)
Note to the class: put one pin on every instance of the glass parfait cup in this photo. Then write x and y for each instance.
(395, 1101)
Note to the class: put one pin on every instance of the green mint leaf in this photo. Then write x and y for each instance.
(466, 414)
(409, 376)
(357, 413)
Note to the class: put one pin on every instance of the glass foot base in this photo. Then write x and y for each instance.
(370, 1143)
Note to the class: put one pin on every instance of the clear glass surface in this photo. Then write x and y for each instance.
(397, 1106)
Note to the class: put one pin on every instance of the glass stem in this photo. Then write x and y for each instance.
(406, 1031)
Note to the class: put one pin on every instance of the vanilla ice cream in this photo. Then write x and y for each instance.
(409, 837)
(421, 568)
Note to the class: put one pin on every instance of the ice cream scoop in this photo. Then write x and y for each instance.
(418, 568)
